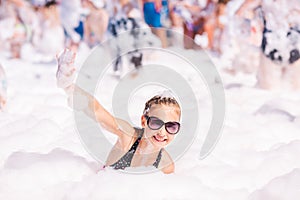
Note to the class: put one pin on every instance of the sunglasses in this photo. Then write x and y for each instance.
(155, 123)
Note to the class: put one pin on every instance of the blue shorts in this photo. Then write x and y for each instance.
(80, 29)
(151, 16)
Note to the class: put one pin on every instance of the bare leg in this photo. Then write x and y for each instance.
(162, 35)
(188, 37)
(15, 49)
(269, 74)
(292, 75)
(104, 23)
(210, 29)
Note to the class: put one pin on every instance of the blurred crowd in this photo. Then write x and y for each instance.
(248, 35)
(50, 25)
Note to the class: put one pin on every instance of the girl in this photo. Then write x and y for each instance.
(135, 147)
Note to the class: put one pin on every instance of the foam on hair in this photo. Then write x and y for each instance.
(166, 98)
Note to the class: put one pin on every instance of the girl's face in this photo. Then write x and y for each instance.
(167, 113)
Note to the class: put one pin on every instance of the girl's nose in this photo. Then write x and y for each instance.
(162, 132)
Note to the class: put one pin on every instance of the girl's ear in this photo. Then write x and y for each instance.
(143, 121)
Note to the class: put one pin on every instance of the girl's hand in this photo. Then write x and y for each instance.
(66, 71)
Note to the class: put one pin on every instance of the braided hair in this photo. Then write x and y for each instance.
(159, 100)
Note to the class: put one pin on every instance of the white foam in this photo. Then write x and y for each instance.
(42, 157)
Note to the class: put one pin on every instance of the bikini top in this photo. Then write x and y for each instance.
(125, 161)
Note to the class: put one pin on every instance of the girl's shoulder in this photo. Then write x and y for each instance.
(166, 159)
(166, 164)
(166, 156)
(127, 138)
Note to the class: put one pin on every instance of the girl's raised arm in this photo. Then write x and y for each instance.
(86, 102)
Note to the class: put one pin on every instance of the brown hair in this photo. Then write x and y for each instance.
(158, 100)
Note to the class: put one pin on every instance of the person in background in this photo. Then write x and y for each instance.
(96, 22)
(221, 23)
(13, 22)
(197, 19)
(280, 45)
(49, 38)
(152, 16)
(71, 19)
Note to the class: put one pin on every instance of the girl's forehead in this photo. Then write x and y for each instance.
(165, 112)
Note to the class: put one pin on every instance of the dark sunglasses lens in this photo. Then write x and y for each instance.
(155, 123)
(172, 127)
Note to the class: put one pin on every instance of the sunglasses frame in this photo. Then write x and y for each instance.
(164, 124)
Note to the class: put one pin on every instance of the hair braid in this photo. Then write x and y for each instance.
(158, 100)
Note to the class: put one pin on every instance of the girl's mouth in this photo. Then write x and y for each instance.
(159, 139)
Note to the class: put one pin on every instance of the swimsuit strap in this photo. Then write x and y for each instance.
(137, 141)
(125, 161)
(157, 161)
